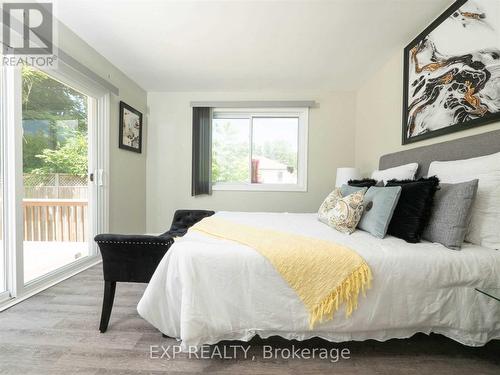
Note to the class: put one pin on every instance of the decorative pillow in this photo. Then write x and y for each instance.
(348, 189)
(379, 203)
(329, 202)
(413, 210)
(484, 227)
(403, 172)
(365, 182)
(451, 214)
(345, 213)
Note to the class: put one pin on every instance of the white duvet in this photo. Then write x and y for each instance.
(206, 290)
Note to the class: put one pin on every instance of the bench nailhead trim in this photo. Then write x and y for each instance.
(137, 243)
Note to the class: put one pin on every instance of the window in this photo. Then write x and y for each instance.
(259, 149)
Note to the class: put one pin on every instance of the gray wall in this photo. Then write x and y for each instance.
(127, 169)
(378, 117)
(331, 145)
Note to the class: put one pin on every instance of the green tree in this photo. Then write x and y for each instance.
(229, 155)
(33, 145)
(278, 150)
(44, 98)
(50, 104)
(70, 158)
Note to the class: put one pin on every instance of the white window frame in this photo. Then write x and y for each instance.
(250, 113)
(4, 291)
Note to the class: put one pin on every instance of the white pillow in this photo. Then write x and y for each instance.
(403, 172)
(484, 228)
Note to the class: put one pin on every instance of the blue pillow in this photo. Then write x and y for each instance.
(380, 203)
(346, 190)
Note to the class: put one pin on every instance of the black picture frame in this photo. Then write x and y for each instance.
(487, 119)
(125, 107)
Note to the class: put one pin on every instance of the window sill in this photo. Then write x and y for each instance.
(260, 187)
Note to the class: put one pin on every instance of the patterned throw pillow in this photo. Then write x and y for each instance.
(342, 213)
(329, 202)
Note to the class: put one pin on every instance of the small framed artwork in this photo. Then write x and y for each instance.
(452, 72)
(130, 128)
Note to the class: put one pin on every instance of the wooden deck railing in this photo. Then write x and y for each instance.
(55, 220)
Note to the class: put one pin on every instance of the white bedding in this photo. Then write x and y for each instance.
(206, 290)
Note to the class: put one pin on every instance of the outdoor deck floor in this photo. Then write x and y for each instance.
(41, 257)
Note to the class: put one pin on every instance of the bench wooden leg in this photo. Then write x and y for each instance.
(107, 304)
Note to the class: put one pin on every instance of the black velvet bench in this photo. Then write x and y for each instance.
(134, 258)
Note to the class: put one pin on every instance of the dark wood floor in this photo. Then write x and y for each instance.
(55, 332)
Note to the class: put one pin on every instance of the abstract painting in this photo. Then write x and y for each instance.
(452, 72)
(130, 134)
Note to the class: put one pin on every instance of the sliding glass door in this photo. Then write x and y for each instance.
(54, 136)
(55, 121)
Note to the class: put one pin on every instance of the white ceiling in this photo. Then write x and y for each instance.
(248, 45)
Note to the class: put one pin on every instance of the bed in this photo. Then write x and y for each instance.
(206, 290)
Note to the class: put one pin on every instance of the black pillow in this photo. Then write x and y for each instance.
(413, 211)
(365, 182)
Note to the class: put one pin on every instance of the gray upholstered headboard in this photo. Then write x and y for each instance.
(462, 148)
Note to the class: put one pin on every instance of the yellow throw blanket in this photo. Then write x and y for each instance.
(323, 274)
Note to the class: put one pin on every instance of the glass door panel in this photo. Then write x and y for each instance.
(55, 169)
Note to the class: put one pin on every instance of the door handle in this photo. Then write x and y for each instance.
(100, 177)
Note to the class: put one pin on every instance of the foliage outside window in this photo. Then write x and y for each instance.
(54, 126)
(259, 149)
